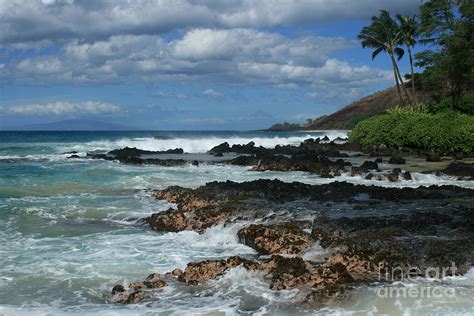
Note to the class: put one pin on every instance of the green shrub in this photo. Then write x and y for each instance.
(415, 128)
(466, 105)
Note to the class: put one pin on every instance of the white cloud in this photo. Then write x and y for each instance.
(245, 44)
(288, 86)
(59, 21)
(312, 94)
(212, 93)
(164, 94)
(64, 108)
(228, 56)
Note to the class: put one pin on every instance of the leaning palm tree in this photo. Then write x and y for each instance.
(408, 27)
(383, 36)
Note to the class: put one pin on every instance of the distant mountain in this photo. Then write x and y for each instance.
(76, 125)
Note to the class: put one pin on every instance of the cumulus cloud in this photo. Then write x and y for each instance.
(66, 20)
(242, 56)
(77, 42)
(64, 108)
(212, 93)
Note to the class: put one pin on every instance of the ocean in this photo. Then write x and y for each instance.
(69, 230)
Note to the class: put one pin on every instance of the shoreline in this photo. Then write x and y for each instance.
(365, 231)
(311, 216)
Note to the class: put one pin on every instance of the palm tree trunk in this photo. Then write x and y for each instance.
(401, 83)
(396, 77)
(413, 92)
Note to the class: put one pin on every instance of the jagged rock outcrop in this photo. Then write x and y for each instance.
(134, 152)
(282, 238)
(463, 171)
(136, 291)
(370, 233)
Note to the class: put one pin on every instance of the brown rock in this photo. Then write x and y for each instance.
(135, 291)
(118, 289)
(177, 272)
(198, 272)
(392, 177)
(154, 281)
(236, 261)
(170, 221)
(284, 238)
(286, 273)
(132, 298)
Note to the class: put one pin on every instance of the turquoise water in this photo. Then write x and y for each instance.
(69, 232)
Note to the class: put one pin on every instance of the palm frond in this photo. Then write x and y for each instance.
(399, 52)
(376, 52)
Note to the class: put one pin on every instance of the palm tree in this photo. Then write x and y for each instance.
(409, 33)
(383, 35)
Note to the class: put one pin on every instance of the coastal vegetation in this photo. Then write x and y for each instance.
(446, 131)
(444, 122)
(440, 75)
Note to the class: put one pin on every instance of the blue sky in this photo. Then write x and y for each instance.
(186, 64)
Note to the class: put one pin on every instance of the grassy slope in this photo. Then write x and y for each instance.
(350, 115)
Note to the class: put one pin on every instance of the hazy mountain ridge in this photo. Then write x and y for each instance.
(74, 125)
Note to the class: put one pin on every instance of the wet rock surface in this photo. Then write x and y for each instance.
(370, 233)
(461, 170)
(311, 278)
(137, 291)
(397, 160)
(135, 160)
(134, 152)
(309, 146)
(327, 159)
(283, 238)
(320, 165)
(224, 202)
(136, 156)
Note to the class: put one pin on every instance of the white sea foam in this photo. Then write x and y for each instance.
(70, 234)
(35, 158)
(418, 179)
(191, 144)
(197, 145)
(315, 252)
(449, 296)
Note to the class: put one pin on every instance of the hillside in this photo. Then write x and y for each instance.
(350, 115)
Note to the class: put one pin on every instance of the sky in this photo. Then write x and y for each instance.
(187, 64)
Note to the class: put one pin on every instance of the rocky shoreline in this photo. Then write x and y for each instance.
(362, 233)
(327, 159)
(366, 231)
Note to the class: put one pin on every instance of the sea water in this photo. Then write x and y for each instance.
(69, 230)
